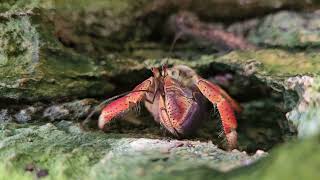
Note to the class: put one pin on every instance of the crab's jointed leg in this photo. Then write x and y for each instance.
(126, 102)
(226, 107)
(165, 118)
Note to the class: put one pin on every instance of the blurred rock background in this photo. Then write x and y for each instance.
(59, 58)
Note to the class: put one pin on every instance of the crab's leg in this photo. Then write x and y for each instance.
(124, 103)
(226, 106)
(165, 118)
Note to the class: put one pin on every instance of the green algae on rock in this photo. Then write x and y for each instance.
(98, 27)
(295, 160)
(272, 62)
(64, 150)
(68, 152)
(36, 66)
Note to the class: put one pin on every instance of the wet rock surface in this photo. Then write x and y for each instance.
(53, 54)
(65, 148)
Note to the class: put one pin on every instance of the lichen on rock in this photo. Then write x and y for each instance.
(287, 29)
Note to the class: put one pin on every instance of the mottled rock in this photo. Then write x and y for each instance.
(69, 111)
(36, 66)
(5, 116)
(64, 151)
(26, 115)
(53, 49)
(232, 9)
(44, 56)
(93, 27)
(67, 151)
(306, 115)
(287, 29)
(73, 110)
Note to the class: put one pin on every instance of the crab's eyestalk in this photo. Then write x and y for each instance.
(165, 70)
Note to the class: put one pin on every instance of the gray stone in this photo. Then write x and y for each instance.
(5, 116)
(69, 111)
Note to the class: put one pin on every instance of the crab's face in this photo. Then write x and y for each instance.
(181, 74)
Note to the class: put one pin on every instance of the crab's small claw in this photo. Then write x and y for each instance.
(126, 102)
(226, 107)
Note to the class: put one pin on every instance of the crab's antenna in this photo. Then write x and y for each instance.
(176, 38)
(99, 107)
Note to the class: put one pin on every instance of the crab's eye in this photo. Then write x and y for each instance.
(155, 72)
(175, 73)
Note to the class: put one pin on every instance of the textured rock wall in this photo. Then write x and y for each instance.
(52, 52)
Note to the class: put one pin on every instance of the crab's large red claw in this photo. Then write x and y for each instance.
(124, 103)
(112, 110)
(226, 106)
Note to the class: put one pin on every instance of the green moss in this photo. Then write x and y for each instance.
(34, 59)
(117, 7)
(296, 160)
(7, 171)
(276, 62)
(11, 7)
(36, 66)
(61, 150)
(100, 27)
(67, 152)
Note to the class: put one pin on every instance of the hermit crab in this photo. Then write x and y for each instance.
(175, 97)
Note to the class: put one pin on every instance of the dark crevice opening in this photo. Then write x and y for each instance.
(261, 125)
